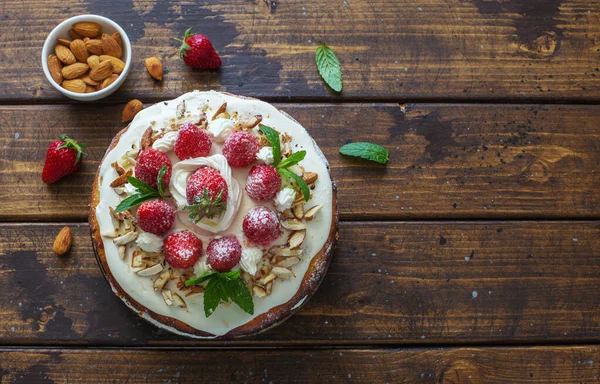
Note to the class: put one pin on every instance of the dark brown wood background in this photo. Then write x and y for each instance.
(472, 257)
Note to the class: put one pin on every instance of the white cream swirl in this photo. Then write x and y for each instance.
(166, 143)
(149, 242)
(180, 175)
(266, 155)
(285, 198)
(250, 259)
(220, 129)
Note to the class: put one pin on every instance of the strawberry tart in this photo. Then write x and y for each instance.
(214, 215)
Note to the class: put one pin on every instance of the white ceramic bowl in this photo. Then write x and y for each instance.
(61, 31)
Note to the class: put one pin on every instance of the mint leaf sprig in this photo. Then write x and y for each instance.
(224, 286)
(205, 206)
(144, 191)
(367, 151)
(282, 166)
(329, 67)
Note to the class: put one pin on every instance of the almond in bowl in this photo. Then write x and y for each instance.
(87, 57)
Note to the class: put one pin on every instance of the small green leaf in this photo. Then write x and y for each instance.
(368, 151)
(135, 200)
(212, 296)
(294, 159)
(231, 275)
(140, 185)
(299, 181)
(239, 293)
(159, 182)
(205, 206)
(273, 138)
(199, 280)
(329, 67)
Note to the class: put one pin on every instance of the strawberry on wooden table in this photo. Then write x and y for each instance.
(198, 52)
(64, 156)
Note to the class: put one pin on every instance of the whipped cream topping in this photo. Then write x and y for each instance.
(220, 129)
(149, 242)
(140, 288)
(166, 143)
(179, 177)
(285, 198)
(249, 260)
(266, 155)
(129, 189)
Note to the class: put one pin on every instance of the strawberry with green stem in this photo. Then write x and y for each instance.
(64, 156)
(198, 52)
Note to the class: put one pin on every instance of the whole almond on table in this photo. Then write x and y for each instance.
(65, 42)
(94, 46)
(132, 108)
(109, 80)
(110, 46)
(63, 241)
(93, 61)
(79, 50)
(118, 64)
(74, 35)
(154, 67)
(75, 85)
(101, 71)
(64, 54)
(87, 28)
(73, 71)
(55, 68)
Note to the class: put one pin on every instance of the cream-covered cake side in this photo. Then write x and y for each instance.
(140, 288)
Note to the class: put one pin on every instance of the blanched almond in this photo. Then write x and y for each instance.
(73, 71)
(296, 239)
(75, 85)
(284, 273)
(64, 54)
(310, 214)
(293, 224)
(110, 46)
(101, 71)
(118, 64)
(55, 68)
(288, 262)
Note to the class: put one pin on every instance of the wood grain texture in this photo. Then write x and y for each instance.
(389, 283)
(446, 161)
(547, 365)
(400, 50)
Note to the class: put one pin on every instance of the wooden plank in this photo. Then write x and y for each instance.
(408, 50)
(547, 365)
(447, 161)
(389, 283)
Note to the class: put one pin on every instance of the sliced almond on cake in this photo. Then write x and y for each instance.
(296, 239)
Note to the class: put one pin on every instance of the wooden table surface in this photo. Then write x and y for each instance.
(472, 257)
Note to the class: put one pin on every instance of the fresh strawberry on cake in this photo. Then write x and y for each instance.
(213, 215)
